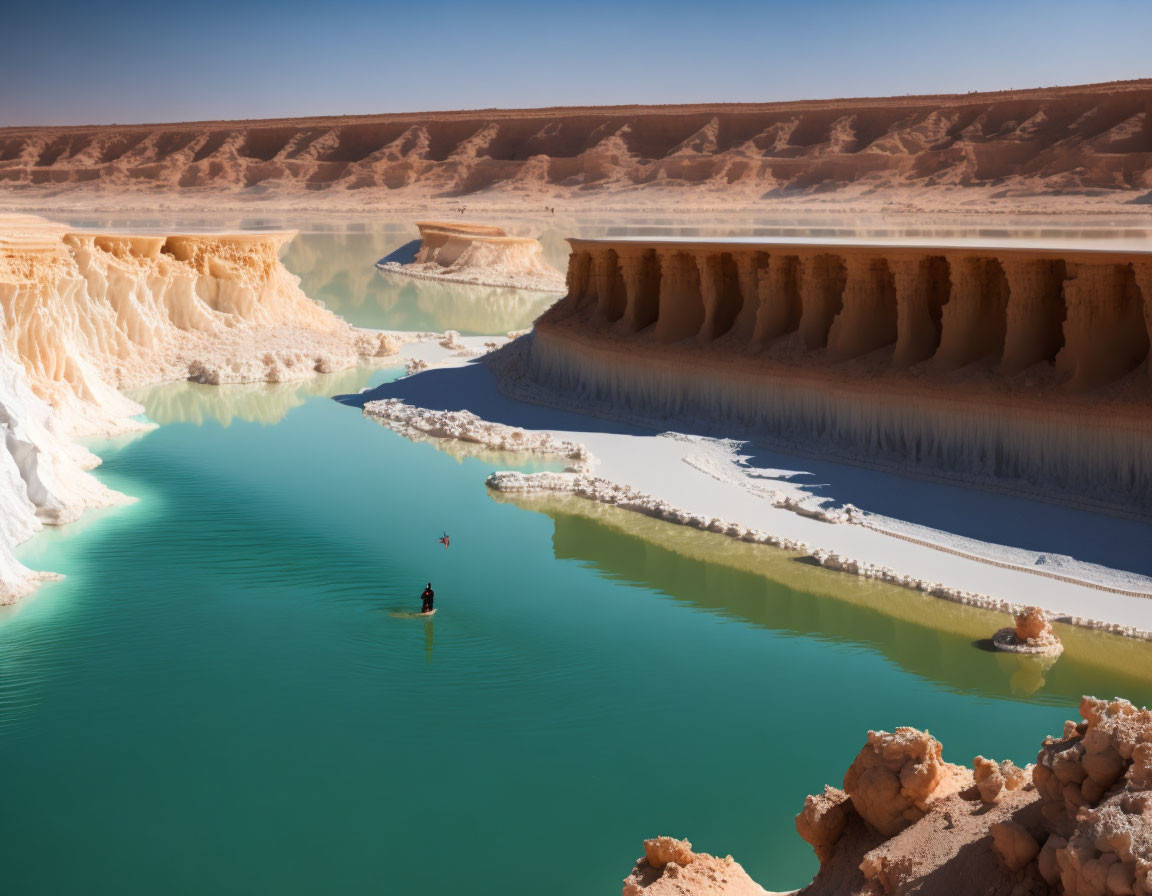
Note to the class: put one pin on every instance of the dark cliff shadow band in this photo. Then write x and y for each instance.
(406, 254)
(968, 511)
(472, 387)
(971, 512)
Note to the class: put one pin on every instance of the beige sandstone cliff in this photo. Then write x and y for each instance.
(85, 315)
(1025, 368)
(1091, 139)
(1078, 822)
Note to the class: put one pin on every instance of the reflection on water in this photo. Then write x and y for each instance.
(266, 403)
(225, 651)
(928, 637)
(339, 270)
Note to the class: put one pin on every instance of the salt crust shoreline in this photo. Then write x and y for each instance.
(577, 480)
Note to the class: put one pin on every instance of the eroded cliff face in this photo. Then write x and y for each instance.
(1017, 368)
(1077, 822)
(1069, 139)
(85, 315)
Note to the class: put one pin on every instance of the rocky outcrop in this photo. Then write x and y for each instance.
(84, 315)
(1025, 142)
(1078, 822)
(481, 255)
(994, 778)
(670, 868)
(897, 776)
(1022, 369)
(1032, 634)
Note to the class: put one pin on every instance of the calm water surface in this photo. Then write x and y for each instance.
(218, 699)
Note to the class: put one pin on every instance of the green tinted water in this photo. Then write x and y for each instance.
(216, 699)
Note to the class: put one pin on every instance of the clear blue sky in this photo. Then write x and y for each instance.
(76, 61)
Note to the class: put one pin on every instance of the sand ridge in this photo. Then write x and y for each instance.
(1090, 142)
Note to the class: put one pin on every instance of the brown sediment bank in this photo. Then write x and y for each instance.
(1088, 145)
(1024, 368)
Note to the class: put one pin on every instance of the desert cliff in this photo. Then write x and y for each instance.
(1092, 141)
(85, 315)
(1021, 368)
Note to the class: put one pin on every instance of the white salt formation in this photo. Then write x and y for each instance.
(465, 426)
(1021, 368)
(83, 315)
(481, 255)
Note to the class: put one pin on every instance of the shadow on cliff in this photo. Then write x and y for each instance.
(472, 387)
(970, 512)
(406, 254)
(967, 511)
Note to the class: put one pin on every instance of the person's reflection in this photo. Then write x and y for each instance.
(428, 638)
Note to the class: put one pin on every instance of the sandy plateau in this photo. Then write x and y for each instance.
(1082, 148)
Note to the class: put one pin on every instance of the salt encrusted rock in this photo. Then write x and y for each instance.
(1110, 748)
(1110, 852)
(467, 427)
(1094, 784)
(992, 777)
(897, 775)
(1033, 634)
(822, 820)
(451, 341)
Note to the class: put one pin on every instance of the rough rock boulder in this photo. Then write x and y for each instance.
(897, 775)
(1032, 634)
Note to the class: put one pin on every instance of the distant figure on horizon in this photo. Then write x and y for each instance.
(426, 599)
(444, 540)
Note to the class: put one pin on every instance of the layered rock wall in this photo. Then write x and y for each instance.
(1031, 142)
(1026, 367)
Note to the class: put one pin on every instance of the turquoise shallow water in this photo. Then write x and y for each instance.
(217, 699)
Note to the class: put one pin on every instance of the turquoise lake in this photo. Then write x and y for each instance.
(218, 699)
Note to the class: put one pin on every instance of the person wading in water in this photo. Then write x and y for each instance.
(426, 599)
